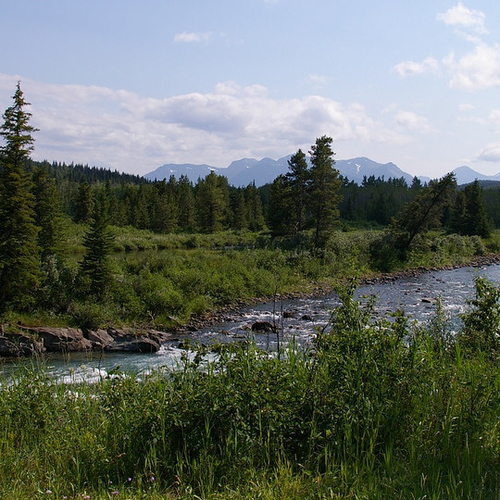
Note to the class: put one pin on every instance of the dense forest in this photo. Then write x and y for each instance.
(211, 204)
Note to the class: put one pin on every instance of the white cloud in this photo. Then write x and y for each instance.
(122, 130)
(491, 153)
(495, 116)
(463, 17)
(410, 68)
(193, 37)
(466, 107)
(476, 70)
(317, 80)
(411, 121)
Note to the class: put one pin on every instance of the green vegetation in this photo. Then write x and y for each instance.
(59, 226)
(377, 409)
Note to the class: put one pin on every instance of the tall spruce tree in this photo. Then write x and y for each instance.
(298, 177)
(476, 219)
(19, 252)
(98, 242)
(48, 212)
(324, 189)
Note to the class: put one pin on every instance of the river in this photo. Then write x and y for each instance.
(297, 318)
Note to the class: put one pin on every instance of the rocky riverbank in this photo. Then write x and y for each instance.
(315, 291)
(19, 340)
(22, 341)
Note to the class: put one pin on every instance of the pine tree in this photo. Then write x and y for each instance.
(298, 178)
(212, 200)
(279, 209)
(48, 213)
(19, 252)
(324, 189)
(98, 242)
(83, 202)
(185, 203)
(253, 205)
(476, 220)
(423, 213)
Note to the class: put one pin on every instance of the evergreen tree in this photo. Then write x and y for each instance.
(298, 178)
(239, 209)
(458, 213)
(48, 213)
(19, 252)
(423, 213)
(98, 242)
(83, 203)
(324, 189)
(253, 205)
(185, 203)
(469, 214)
(212, 200)
(279, 209)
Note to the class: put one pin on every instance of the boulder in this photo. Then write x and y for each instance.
(100, 339)
(139, 344)
(263, 326)
(130, 340)
(16, 345)
(8, 349)
(61, 339)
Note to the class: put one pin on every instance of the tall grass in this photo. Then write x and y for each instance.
(376, 409)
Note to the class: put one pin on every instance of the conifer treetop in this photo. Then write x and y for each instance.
(16, 130)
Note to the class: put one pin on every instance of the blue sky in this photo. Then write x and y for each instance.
(131, 85)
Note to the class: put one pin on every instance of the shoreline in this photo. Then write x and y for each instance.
(29, 340)
(323, 289)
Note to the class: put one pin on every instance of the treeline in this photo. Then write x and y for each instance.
(300, 211)
(212, 204)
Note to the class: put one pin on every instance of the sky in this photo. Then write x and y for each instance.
(131, 85)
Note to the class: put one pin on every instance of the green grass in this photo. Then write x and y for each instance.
(164, 280)
(377, 409)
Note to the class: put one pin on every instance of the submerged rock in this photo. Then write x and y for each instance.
(263, 326)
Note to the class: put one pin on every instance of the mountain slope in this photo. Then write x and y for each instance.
(247, 170)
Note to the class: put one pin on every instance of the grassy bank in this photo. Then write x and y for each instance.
(164, 280)
(376, 410)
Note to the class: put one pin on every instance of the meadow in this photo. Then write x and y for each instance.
(376, 409)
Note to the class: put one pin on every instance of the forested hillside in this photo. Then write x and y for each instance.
(211, 204)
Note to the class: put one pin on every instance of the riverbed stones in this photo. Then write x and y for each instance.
(129, 340)
(18, 345)
(263, 326)
(27, 341)
(100, 339)
(61, 339)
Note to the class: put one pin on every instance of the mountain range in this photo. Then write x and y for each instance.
(247, 170)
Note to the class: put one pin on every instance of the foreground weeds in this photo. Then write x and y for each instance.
(376, 409)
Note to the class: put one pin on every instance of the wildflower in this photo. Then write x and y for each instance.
(115, 492)
(49, 492)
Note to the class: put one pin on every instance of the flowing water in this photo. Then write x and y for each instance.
(298, 318)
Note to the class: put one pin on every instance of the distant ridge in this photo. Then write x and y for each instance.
(248, 170)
